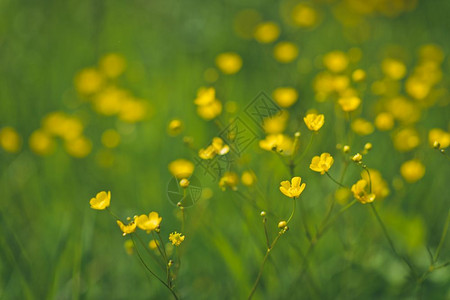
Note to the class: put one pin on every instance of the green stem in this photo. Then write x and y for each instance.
(307, 147)
(335, 181)
(151, 272)
(441, 242)
(265, 232)
(305, 225)
(293, 211)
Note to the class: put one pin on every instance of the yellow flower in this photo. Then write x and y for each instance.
(384, 121)
(277, 142)
(293, 189)
(276, 124)
(406, 139)
(379, 186)
(184, 183)
(176, 238)
(101, 201)
(303, 15)
(230, 180)
(314, 121)
(285, 52)
(205, 96)
(248, 178)
(229, 62)
(358, 75)
(148, 223)
(41, 142)
(285, 96)
(153, 244)
(10, 139)
(133, 110)
(349, 104)
(359, 192)
(127, 229)
(175, 127)
(79, 147)
(129, 246)
(217, 147)
(109, 101)
(88, 81)
(440, 136)
(362, 127)
(181, 168)
(321, 164)
(357, 157)
(267, 32)
(412, 170)
(110, 138)
(210, 111)
(393, 68)
(336, 61)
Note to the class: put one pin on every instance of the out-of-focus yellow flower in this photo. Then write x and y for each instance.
(358, 75)
(393, 68)
(412, 170)
(110, 138)
(285, 52)
(278, 142)
(59, 124)
(127, 229)
(384, 121)
(362, 127)
(112, 65)
(360, 193)
(379, 186)
(10, 140)
(314, 121)
(175, 127)
(210, 111)
(245, 22)
(285, 96)
(342, 195)
(404, 110)
(248, 178)
(148, 223)
(292, 189)
(129, 246)
(41, 142)
(335, 61)
(440, 136)
(101, 200)
(431, 52)
(229, 180)
(357, 157)
(184, 183)
(89, 81)
(205, 96)
(217, 147)
(321, 164)
(267, 32)
(229, 62)
(79, 147)
(303, 15)
(349, 103)
(153, 244)
(276, 124)
(406, 139)
(109, 101)
(133, 110)
(417, 88)
(176, 238)
(181, 168)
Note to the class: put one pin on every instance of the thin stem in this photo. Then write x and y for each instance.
(368, 174)
(151, 272)
(307, 147)
(305, 225)
(149, 252)
(265, 232)
(293, 211)
(441, 242)
(335, 181)
(112, 213)
(163, 245)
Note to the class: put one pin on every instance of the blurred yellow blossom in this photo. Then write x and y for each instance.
(335, 61)
(384, 121)
(175, 127)
(379, 186)
(101, 201)
(277, 142)
(403, 110)
(360, 193)
(229, 180)
(362, 127)
(393, 68)
(358, 75)
(217, 147)
(285, 52)
(406, 139)
(229, 62)
(78, 147)
(267, 32)
(294, 188)
(357, 157)
(153, 244)
(109, 101)
(148, 223)
(129, 246)
(126, 229)
(89, 81)
(321, 164)
(176, 238)
(304, 15)
(10, 140)
(314, 121)
(412, 170)
(41, 142)
(133, 110)
(110, 138)
(112, 65)
(181, 168)
(349, 103)
(277, 123)
(248, 178)
(440, 136)
(285, 96)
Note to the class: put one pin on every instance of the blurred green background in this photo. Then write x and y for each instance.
(53, 246)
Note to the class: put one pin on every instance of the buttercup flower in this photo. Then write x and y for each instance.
(176, 238)
(321, 164)
(181, 168)
(359, 192)
(229, 62)
(101, 201)
(217, 147)
(293, 189)
(148, 223)
(314, 121)
(349, 103)
(412, 170)
(277, 142)
(230, 180)
(127, 229)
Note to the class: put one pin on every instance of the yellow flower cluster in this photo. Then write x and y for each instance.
(208, 107)
(217, 147)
